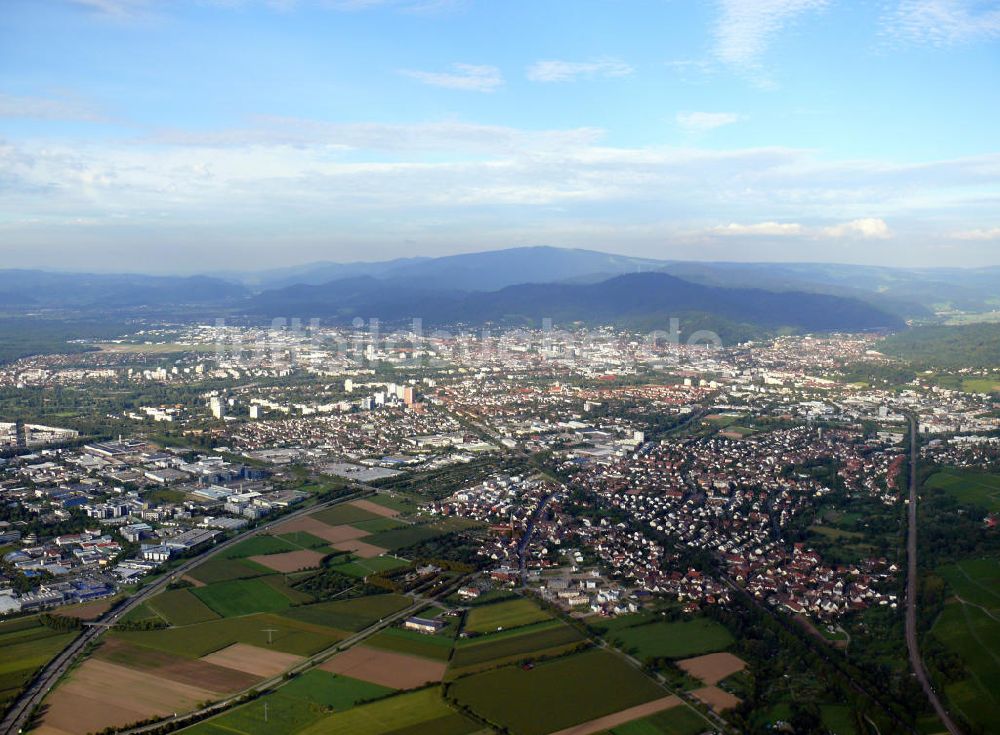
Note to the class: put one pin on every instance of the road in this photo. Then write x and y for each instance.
(916, 662)
(17, 716)
(529, 529)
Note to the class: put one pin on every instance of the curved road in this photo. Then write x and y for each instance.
(916, 662)
(17, 716)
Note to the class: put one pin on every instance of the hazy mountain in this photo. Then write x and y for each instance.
(33, 289)
(485, 271)
(646, 300)
(911, 292)
(908, 292)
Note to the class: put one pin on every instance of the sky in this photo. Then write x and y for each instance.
(182, 136)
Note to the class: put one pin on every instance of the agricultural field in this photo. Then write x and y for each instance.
(970, 627)
(649, 638)
(423, 711)
(981, 489)
(259, 545)
(225, 570)
(556, 694)
(241, 597)
(288, 635)
(355, 614)
(344, 513)
(181, 607)
(360, 568)
(539, 639)
(436, 647)
(674, 721)
(503, 615)
(385, 668)
(25, 646)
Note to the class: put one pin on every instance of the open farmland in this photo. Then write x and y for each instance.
(225, 570)
(242, 597)
(295, 705)
(201, 673)
(969, 626)
(660, 639)
(353, 615)
(181, 607)
(555, 694)
(503, 615)
(25, 646)
(969, 488)
(360, 568)
(289, 635)
(290, 561)
(674, 721)
(545, 637)
(437, 647)
(385, 668)
(100, 694)
(422, 711)
(258, 545)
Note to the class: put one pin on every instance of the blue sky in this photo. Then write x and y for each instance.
(196, 135)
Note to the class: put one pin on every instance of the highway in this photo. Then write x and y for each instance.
(916, 662)
(17, 716)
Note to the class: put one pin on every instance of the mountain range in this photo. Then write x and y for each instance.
(524, 285)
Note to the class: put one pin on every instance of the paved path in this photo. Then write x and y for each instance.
(916, 662)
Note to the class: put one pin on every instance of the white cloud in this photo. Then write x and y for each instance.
(47, 108)
(945, 22)
(867, 228)
(769, 229)
(983, 234)
(700, 122)
(567, 71)
(467, 77)
(745, 28)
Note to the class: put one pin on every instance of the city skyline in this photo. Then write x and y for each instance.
(184, 137)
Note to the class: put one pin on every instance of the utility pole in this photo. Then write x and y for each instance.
(269, 631)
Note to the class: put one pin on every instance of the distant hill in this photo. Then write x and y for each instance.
(485, 271)
(34, 289)
(910, 292)
(642, 300)
(950, 347)
(907, 292)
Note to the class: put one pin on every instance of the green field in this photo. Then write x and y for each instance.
(970, 627)
(301, 702)
(25, 646)
(181, 607)
(242, 597)
(659, 639)
(225, 570)
(379, 525)
(969, 488)
(555, 694)
(344, 513)
(304, 540)
(422, 711)
(398, 501)
(413, 643)
(290, 635)
(352, 615)
(674, 721)
(502, 615)
(258, 546)
(406, 536)
(515, 644)
(360, 568)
